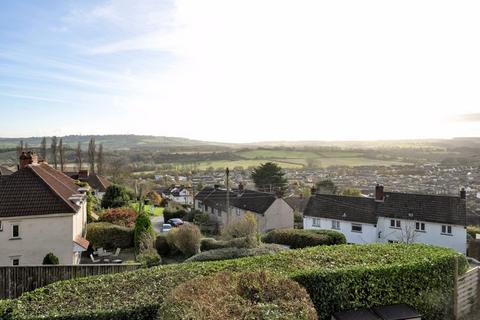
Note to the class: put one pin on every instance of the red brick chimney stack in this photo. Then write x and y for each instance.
(379, 195)
(27, 158)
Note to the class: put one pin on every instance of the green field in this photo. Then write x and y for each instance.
(158, 211)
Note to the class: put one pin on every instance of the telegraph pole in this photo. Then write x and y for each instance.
(228, 196)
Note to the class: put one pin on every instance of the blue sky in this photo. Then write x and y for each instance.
(240, 70)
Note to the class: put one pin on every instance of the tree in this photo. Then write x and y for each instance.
(326, 187)
(351, 192)
(100, 167)
(20, 149)
(50, 259)
(115, 197)
(54, 151)
(78, 156)
(91, 154)
(61, 151)
(43, 149)
(269, 177)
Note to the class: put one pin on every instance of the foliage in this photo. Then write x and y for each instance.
(212, 244)
(327, 187)
(92, 201)
(245, 226)
(269, 177)
(154, 198)
(162, 246)
(251, 295)
(186, 238)
(351, 192)
(143, 232)
(50, 259)
(336, 278)
(297, 217)
(169, 213)
(296, 238)
(120, 216)
(235, 253)
(146, 241)
(109, 236)
(149, 258)
(473, 230)
(115, 197)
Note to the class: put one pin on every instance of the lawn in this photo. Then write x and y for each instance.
(158, 211)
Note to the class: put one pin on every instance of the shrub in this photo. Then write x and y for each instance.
(162, 246)
(298, 217)
(254, 295)
(473, 230)
(246, 226)
(143, 230)
(154, 198)
(169, 213)
(186, 238)
(121, 216)
(146, 242)
(296, 238)
(109, 236)
(336, 278)
(50, 258)
(235, 253)
(149, 258)
(115, 197)
(212, 244)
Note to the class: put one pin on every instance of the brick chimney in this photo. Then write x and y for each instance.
(463, 194)
(379, 195)
(27, 158)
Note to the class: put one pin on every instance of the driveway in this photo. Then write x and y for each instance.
(157, 223)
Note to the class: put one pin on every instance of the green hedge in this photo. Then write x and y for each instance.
(110, 236)
(336, 278)
(473, 230)
(296, 238)
(235, 253)
(212, 244)
(172, 213)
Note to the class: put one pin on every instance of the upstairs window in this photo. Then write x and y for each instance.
(419, 226)
(15, 231)
(356, 227)
(316, 222)
(394, 223)
(447, 229)
(336, 224)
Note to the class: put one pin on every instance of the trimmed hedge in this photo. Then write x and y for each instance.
(212, 244)
(251, 295)
(143, 229)
(109, 236)
(336, 278)
(473, 230)
(149, 258)
(162, 246)
(296, 238)
(170, 214)
(235, 253)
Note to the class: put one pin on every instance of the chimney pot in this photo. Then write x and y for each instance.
(379, 194)
(27, 158)
(463, 194)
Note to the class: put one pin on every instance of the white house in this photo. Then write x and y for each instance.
(270, 211)
(178, 194)
(41, 211)
(392, 217)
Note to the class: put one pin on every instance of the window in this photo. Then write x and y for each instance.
(316, 222)
(356, 227)
(1, 227)
(393, 241)
(395, 223)
(15, 231)
(15, 262)
(446, 229)
(420, 226)
(336, 224)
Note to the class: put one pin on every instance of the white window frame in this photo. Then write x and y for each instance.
(448, 229)
(397, 224)
(357, 225)
(335, 225)
(315, 224)
(420, 226)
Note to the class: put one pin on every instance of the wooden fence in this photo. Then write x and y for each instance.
(15, 280)
(467, 292)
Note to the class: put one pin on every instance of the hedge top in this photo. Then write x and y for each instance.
(147, 288)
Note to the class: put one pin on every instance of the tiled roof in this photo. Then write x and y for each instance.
(36, 190)
(430, 208)
(297, 203)
(98, 182)
(82, 242)
(204, 193)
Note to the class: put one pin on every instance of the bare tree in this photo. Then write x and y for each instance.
(408, 233)
(54, 151)
(43, 149)
(91, 154)
(100, 164)
(78, 156)
(61, 151)
(20, 149)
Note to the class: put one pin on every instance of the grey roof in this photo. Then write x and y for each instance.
(430, 208)
(297, 203)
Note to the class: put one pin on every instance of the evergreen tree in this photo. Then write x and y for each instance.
(269, 177)
(43, 149)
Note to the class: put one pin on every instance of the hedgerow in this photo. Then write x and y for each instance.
(235, 253)
(213, 244)
(107, 235)
(473, 230)
(336, 278)
(296, 238)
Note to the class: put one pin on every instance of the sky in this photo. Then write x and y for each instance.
(241, 70)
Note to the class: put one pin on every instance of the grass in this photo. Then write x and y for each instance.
(158, 211)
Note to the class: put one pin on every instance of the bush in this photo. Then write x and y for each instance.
(143, 230)
(120, 216)
(186, 238)
(50, 258)
(172, 213)
(473, 230)
(296, 238)
(109, 236)
(149, 258)
(298, 217)
(254, 295)
(154, 198)
(115, 197)
(246, 226)
(212, 244)
(336, 277)
(235, 253)
(162, 246)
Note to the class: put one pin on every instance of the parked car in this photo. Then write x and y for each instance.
(166, 227)
(175, 222)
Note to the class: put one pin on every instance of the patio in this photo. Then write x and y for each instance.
(126, 255)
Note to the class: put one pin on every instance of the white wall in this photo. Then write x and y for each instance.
(432, 235)
(278, 216)
(368, 234)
